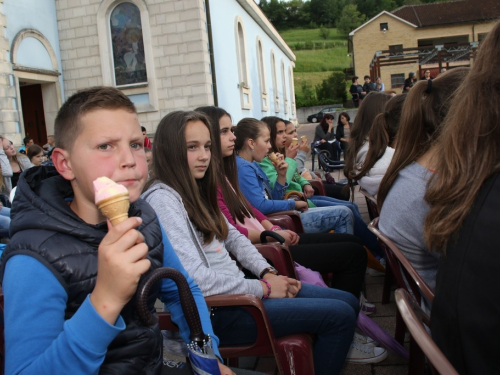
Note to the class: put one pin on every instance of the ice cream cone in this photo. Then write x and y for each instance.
(115, 208)
(303, 138)
(273, 157)
(295, 141)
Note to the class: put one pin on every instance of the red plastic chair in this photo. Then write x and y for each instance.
(420, 342)
(287, 219)
(371, 204)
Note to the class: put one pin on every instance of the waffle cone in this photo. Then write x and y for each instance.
(115, 208)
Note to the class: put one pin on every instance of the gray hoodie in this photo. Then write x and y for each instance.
(209, 264)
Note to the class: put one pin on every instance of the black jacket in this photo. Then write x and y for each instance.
(44, 227)
(465, 319)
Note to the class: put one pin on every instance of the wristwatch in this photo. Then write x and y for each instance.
(267, 270)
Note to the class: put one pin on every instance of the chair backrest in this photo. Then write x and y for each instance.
(401, 267)
(371, 203)
(326, 164)
(287, 219)
(413, 316)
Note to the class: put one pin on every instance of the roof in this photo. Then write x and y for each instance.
(380, 14)
(256, 13)
(451, 12)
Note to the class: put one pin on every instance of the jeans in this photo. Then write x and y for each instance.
(4, 218)
(324, 219)
(329, 314)
(360, 228)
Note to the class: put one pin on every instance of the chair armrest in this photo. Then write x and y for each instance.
(280, 257)
(293, 222)
(318, 185)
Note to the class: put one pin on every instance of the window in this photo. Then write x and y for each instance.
(128, 46)
(397, 80)
(395, 49)
(283, 80)
(126, 53)
(244, 81)
(292, 89)
(275, 84)
(262, 76)
(384, 26)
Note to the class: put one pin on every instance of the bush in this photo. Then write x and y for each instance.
(307, 90)
(299, 46)
(312, 25)
(324, 32)
(301, 102)
(309, 45)
(330, 45)
(332, 88)
(319, 45)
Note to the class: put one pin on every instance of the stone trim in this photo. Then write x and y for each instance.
(28, 69)
(32, 33)
(242, 59)
(261, 65)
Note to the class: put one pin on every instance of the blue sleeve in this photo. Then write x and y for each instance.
(38, 340)
(170, 297)
(251, 188)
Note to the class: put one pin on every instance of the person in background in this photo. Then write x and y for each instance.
(50, 143)
(356, 91)
(409, 82)
(324, 136)
(343, 130)
(18, 163)
(368, 86)
(149, 156)
(427, 75)
(147, 141)
(28, 141)
(35, 155)
(379, 82)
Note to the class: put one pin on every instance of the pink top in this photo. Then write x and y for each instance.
(250, 223)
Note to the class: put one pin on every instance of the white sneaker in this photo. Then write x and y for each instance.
(366, 307)
(364, 354)
(364, 340)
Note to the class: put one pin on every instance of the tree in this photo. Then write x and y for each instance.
(350, 19)
(324, 32)
(333, 88)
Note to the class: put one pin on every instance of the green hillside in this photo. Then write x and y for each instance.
(316, 64)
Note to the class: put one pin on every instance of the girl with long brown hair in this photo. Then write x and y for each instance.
(324, 136)
(401, 193)
(183, 192)
(380, 146)
(464, 220)
(372, 105)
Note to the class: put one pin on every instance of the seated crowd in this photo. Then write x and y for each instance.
(198, 203)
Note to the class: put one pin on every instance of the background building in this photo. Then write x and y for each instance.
(416, 37)
(165, 55)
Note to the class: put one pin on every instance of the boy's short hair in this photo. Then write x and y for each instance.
(143, 128)
(354, 79)
(67, 124)
(27, 139)
(367, 77)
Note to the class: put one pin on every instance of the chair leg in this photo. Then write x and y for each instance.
(399, 335)
(388, 282)
(416, 364)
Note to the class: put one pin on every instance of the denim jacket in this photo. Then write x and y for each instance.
(256, 188)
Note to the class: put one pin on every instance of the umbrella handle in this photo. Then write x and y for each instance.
(188, 304)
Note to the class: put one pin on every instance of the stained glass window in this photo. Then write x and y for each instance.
(128, 45)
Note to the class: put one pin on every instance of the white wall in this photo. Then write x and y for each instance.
(223, 14)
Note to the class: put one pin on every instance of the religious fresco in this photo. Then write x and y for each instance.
(128, 45)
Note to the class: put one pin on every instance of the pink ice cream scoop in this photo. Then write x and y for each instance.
(112, 199)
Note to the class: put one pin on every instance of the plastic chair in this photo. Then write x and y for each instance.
(318, 185)
(400, 270)
(287, 219)
(371, 204)
(420, 342)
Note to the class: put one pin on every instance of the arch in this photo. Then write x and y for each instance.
(32, 33)
(242, 59)
(262, 74)
(274, 75)
(104, 30)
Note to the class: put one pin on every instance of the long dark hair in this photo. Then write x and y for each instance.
(382, 134)
(373, 104)
(272, 122)
(171, 167)
(469, 147)
(228, 172)
(423, 112)
(323, 124)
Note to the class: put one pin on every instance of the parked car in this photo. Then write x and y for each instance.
(316, 117)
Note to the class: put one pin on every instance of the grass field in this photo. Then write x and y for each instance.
(316, 65)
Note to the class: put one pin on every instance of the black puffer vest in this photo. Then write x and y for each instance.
(44, 227)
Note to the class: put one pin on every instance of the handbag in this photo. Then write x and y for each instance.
(200, 353)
